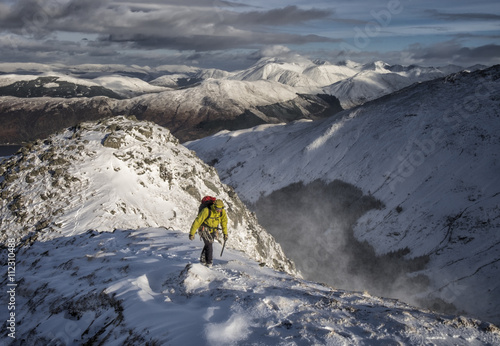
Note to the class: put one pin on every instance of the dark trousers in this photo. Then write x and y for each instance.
(208, 250)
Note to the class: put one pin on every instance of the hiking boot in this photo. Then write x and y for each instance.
(209, 265)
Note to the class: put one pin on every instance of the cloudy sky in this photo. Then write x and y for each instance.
(233, 34)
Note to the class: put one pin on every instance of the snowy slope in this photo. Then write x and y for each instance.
(224, 93)
(352, 83)
(122, 85)
(216, 104)
(326, 74)
(378, 79)
(118, 173)
(366, 86)
(298, 72)
(128, 86)
(428, 153)
(288, 73)
(170, 80)
(145, 287)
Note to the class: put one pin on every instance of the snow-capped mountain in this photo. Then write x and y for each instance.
(214, 105)
(378, 79)
(399, 196)
(96, 218)
(278, 89)
(118, 173)
(353, 84)
(189, 113)
(304, 74)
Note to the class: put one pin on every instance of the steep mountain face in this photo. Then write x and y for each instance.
(409, 179)
(118, 173)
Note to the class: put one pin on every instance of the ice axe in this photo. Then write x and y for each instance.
(223, 246)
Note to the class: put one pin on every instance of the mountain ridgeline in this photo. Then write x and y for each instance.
(37, 100)
(118, 173)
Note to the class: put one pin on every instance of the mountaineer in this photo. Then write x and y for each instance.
(211, 214)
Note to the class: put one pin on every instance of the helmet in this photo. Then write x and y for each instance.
(218, 204)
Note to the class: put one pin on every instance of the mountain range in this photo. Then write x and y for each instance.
(192, 102)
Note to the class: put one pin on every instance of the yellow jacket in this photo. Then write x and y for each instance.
(211, 222)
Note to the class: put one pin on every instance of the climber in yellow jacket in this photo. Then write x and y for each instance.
(207, 222)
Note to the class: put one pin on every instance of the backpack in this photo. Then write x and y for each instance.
(206, 202)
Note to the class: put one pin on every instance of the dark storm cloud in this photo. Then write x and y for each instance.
(201, 3)
(463, 16)
(282, 16)
(213, 42)
(53, 30)
(180, 25)
(454, 52)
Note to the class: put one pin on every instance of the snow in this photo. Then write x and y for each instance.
(8, 79)
(128, 86)
(429, 153)
(170, 80)
(149, 288)
(122, 85)
(224, 95)
(375, 81)
(353, 84)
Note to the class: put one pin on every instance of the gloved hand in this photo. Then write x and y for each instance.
(191, 236)
(225, 237)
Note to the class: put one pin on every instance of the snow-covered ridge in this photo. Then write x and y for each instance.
(118, 173)
(429, 153)
(145, 287)
(190, 101)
